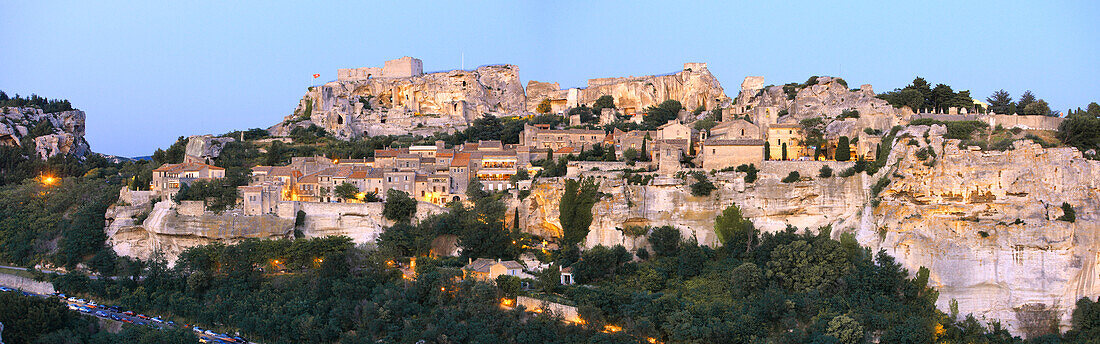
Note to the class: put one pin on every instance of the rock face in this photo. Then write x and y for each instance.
(163, 229)
(66, 136)
(828, 98)
(444, 101)
(206, 146)
(984, 223)
(139, 226)
(771, 204)
(693, 86)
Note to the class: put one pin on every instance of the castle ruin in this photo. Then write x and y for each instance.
(404, 67)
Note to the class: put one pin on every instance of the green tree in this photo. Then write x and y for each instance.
(802, 266)
(346, 191)
(1068, 214)
(825, 172)
(1001, 103)
(702, 185)
(399, 206)
(843, 149)
(543, 107)
(733, 229)
(1038, 107)
(659, 115)
(1025, 99)
(845, 329)
(575, 209)
(665, 241)
(600, 262)
(603, 102)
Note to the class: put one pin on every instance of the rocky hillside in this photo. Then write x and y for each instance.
(693, 86)
(824, 96)
(50, 133)
(433, 102)
(986, 224)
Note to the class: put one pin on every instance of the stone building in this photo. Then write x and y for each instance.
(785, 136)
(399, 68)
(168, 178)
(542, 137)
(720, 153)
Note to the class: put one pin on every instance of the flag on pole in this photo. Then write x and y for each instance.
(316, 76)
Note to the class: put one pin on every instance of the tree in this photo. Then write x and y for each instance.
(475, 190)
(575, 209)
(665, 241)
(843, 149)
(825, 172)
(1001, 103)
(600, 262)
(784, 155)
(733, 229)
(346, 191)
(802, 266)
(767, 151)
(543, 107)
(1025, 99)
(275, 154)
(488, 127)
(1082, 129)
(702, 186)
(1068, 214)
(1038, 107)
(659, 115)
(603, 102)
(845, 329)
(399, 206)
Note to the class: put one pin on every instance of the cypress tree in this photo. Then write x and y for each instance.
(843, 151)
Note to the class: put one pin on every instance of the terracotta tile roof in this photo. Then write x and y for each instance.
(493, 144)
(308, 179)
(187, 167)
(734, 142)
(461, 160)
(483, 265)
(564, 150)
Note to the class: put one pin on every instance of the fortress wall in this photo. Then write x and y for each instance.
(1027, 121)
(809, 168)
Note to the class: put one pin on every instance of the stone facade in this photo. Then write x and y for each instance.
(405, 67)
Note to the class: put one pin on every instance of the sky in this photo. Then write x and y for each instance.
(146, 73)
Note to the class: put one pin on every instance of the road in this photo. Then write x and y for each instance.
(89, 308)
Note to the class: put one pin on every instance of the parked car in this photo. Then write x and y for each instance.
(130, 313)
(101, 314)
(5, 289)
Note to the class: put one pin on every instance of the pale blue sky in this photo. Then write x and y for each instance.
(146, 73)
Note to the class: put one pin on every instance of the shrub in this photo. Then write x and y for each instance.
(665, 241)
(825, 172)
(850, 113)
(1069, 214)
(792, 177)
(703, 186)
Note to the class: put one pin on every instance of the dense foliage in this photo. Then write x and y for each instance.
(31, 319)
(47, 105)
(575, 208)
(920, 95)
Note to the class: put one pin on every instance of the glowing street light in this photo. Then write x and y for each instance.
(48, 180)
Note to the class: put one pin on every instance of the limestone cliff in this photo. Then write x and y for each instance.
(66, 135)
(693, 86)
(140, 225)
(424, 104)
(984, 223)
(828, 97)
(206, 146)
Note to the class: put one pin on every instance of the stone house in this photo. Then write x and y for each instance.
(485, 269)
(720, 153)
(735, 129)
(168, 178)
(787, 135)
(542, 137)
(260, 199)
(673, 130)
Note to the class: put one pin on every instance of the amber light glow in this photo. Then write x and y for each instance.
(48, 180)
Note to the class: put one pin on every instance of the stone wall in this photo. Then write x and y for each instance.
(809, 168)
(1026, 121)
(191, 208)
(574, 168)
(568, 313)
(26, 284)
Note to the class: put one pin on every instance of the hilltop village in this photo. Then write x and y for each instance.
(499, 180)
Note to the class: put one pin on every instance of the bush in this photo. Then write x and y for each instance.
(825, 172)
(703, 186)
(665, 241)
(843, 149)
(399, 206)
(1069, 215)
(792, 177)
